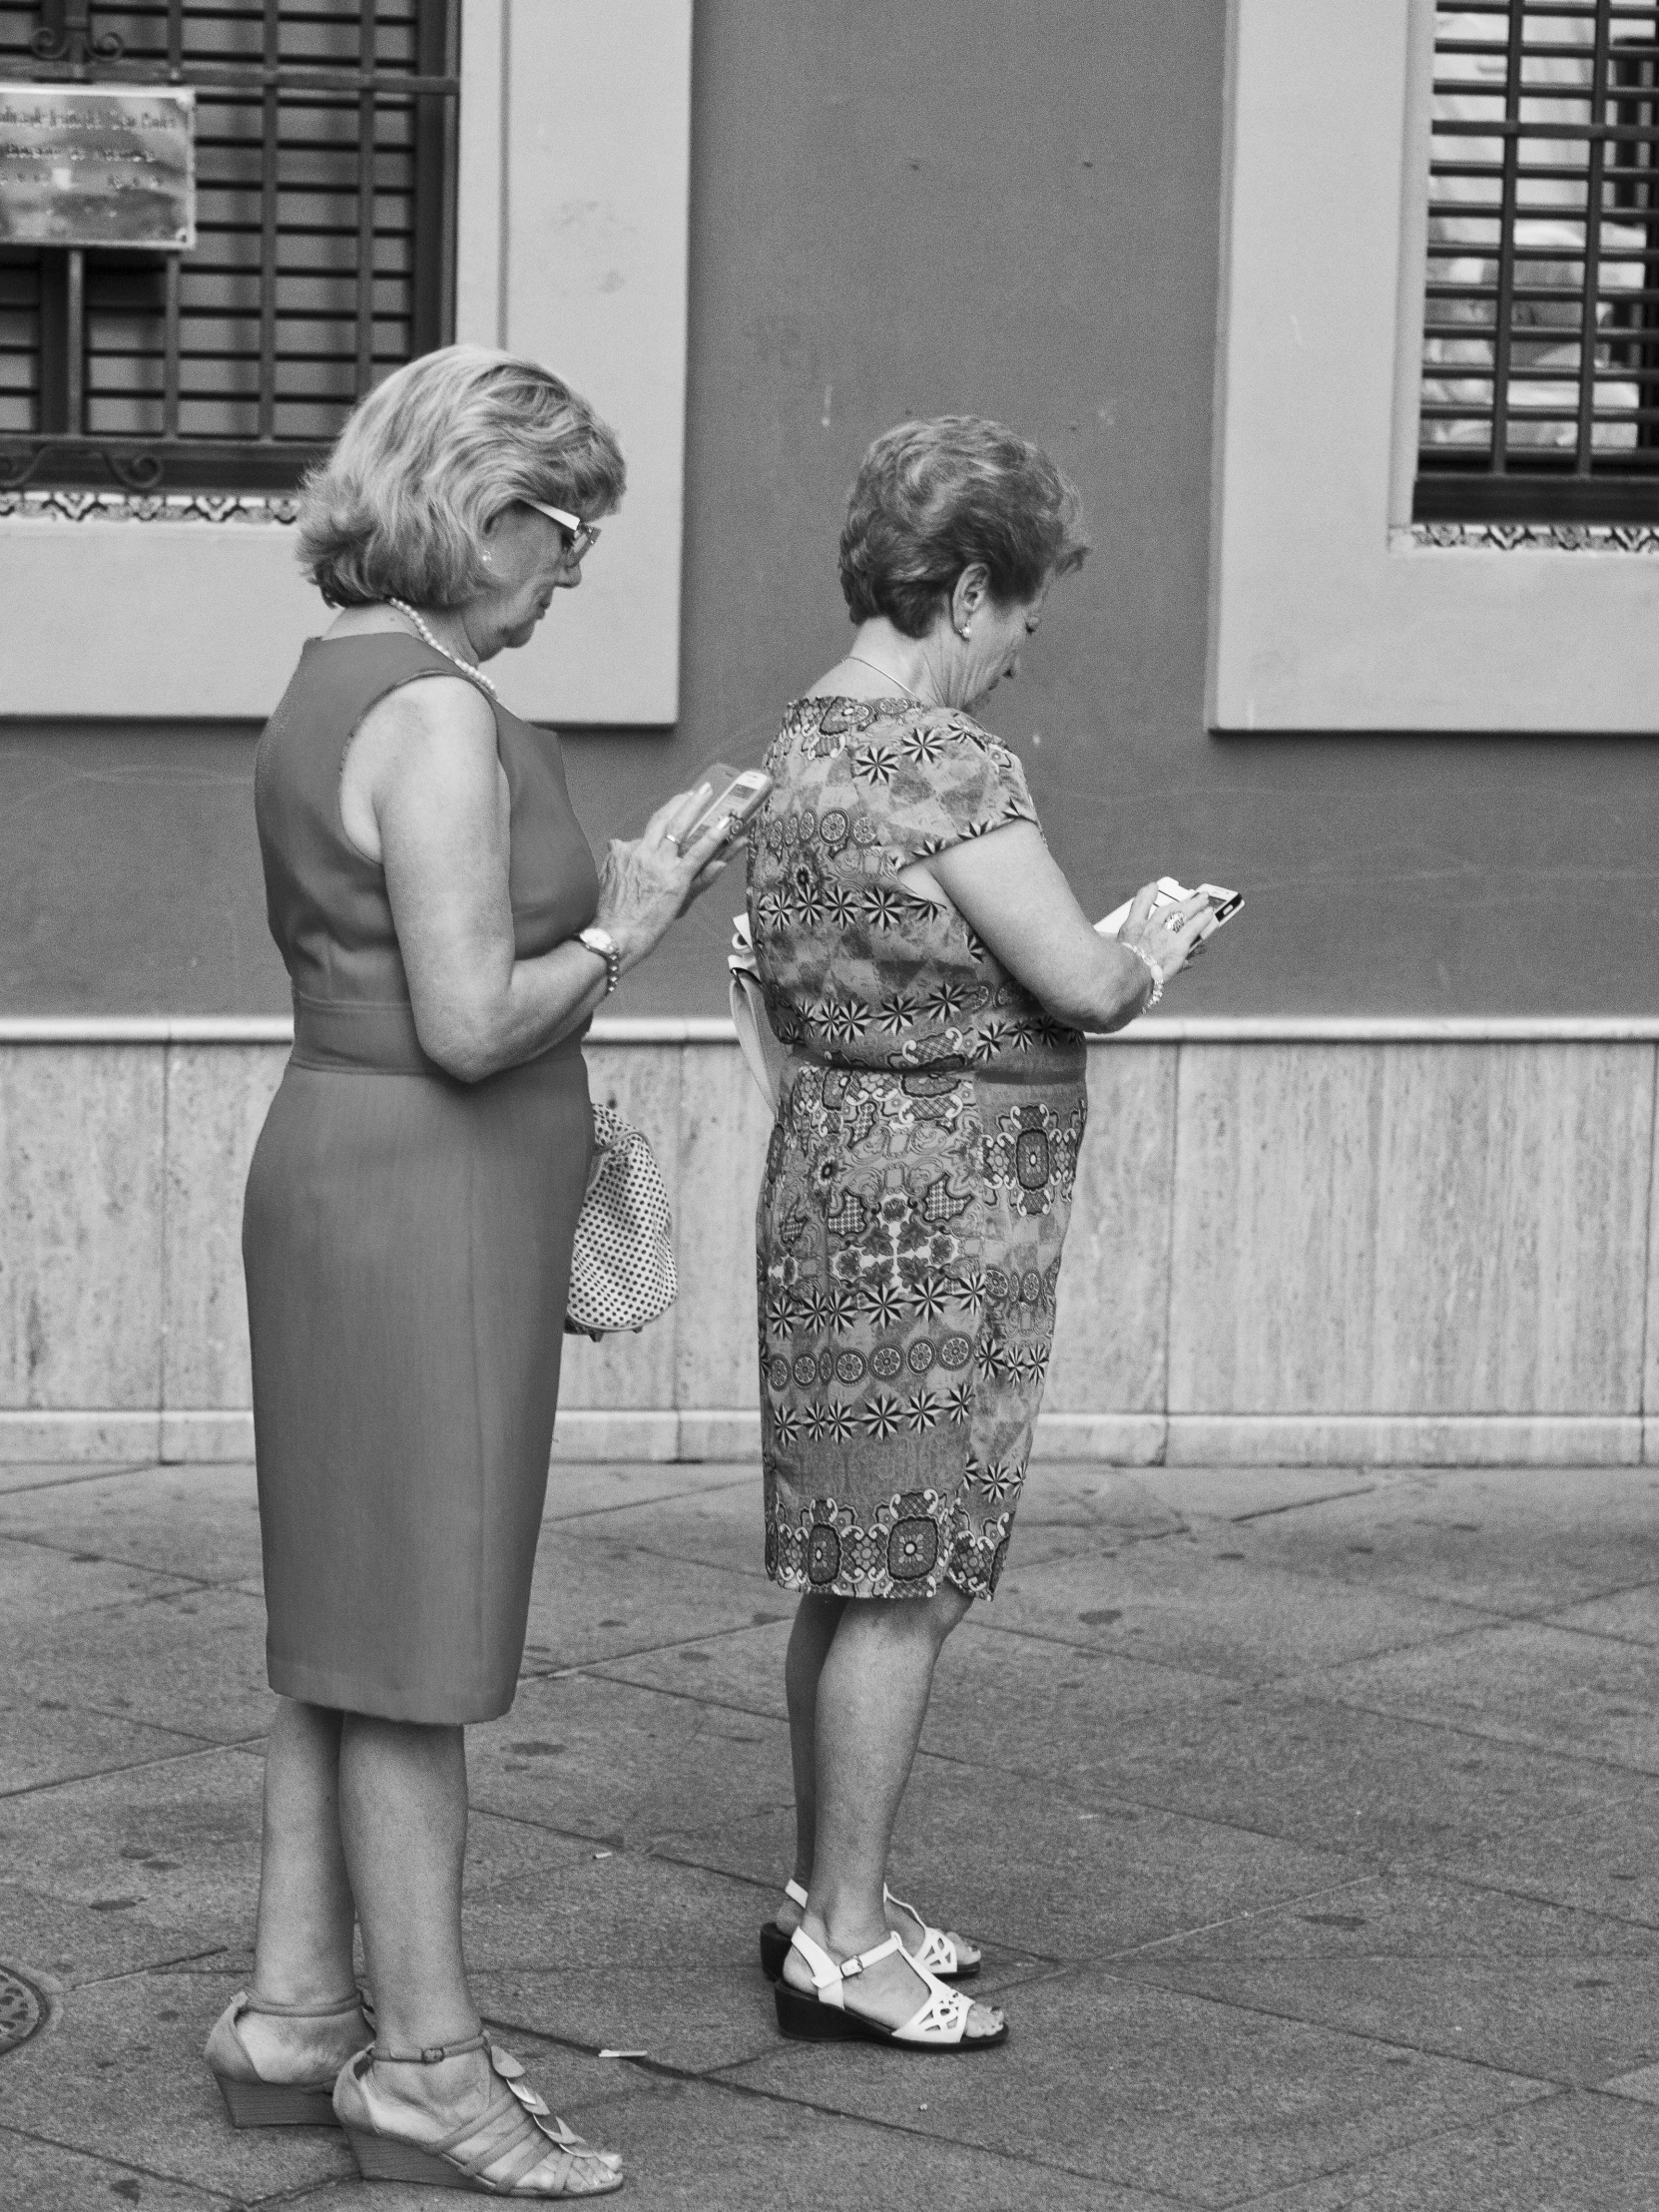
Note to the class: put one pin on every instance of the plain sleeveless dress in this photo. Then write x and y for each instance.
(406, 1240)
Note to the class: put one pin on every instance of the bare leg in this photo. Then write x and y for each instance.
(873, 1691)
(816, 1622)
(302, 1949)
(403, 1817)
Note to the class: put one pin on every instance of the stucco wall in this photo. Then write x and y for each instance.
(1015, 209)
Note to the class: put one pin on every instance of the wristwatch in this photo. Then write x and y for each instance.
(604, 944)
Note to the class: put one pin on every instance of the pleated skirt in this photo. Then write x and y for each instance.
(406, 1241)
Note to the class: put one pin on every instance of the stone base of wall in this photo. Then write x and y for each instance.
(1295, 1243)
(1114, 1439)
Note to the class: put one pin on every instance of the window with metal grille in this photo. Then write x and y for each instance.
(326, 138)
(1541, 391)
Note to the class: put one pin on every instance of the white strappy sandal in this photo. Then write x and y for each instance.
(940, 2024)
(937, 1954)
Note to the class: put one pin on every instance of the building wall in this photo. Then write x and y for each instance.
(1403, 1249)
(1390, 1247)
(1014, 209)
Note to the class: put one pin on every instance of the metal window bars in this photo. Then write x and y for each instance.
(1541, 358)
(325, 178)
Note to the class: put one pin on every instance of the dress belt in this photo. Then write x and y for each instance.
(376, 1036)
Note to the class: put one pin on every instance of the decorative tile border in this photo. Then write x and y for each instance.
(133, 506)
(1534, 537)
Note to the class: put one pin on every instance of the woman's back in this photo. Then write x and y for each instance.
(859, 972)
(326, 901)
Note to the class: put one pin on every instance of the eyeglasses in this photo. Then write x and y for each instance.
(583, 535)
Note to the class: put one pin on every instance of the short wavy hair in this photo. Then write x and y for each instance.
(933, 498)
(398, 509)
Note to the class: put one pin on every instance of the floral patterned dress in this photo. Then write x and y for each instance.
(920, 1175)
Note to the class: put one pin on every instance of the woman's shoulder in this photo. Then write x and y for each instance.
(823, 724)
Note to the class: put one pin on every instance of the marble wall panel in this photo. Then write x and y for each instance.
(642, 1085)
(1396, 1229)
(1111, 1343)
(723, 1146)
(217, 1097)
(80, 1226)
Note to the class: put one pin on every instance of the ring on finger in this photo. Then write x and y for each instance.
(669, 839)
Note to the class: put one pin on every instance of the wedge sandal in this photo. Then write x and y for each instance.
(250, 2099)
(937, 1953)
(940, 2024)
(498, 2152)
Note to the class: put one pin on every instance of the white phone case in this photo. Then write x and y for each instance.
(1171, 894)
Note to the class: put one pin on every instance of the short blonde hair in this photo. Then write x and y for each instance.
(398, 511)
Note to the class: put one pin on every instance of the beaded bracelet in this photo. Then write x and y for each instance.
(1154, 970)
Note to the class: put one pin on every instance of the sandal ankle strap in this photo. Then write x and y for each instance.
(430, 2055)
(252, 2001)
(826, 1971)
(796, 1893)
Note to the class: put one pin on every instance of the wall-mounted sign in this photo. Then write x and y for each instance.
(93, 165)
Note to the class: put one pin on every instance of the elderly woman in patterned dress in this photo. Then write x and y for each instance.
(930, 973)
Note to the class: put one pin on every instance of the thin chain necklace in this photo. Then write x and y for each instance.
(886, 672)
(471, 668)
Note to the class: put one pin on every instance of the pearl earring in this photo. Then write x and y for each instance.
(964, 632)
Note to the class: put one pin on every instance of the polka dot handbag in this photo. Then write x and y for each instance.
(622, 1269)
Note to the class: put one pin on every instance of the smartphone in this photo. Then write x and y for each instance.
(737, 796)
(1224, 904)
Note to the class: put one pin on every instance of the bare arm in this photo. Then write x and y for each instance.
(424, 793)
(1011, 893)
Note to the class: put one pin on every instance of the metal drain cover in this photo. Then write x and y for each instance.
(21, 2010)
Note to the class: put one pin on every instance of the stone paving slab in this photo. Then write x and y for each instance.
(59, 1940)
(1509, 1539)
(1599, 1857)
(53, 1475)
(1565, 2153)
(1158, 2090)
(1003, 1686)
(1243, 1495)
(48, 1740)
(200, 1521)
(1632, 1615)
(1261, 1941)
(1372, 1784)
(1506, 1980)
(190, 1662)
(633, 1765)
(57, 1584)
(596, 1597)
(1198, 1601)
(1524, 1683)
(45, 2174)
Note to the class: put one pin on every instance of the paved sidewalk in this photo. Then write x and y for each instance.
(1309, 1818)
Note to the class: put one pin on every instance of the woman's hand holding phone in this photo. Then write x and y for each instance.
(647, 882)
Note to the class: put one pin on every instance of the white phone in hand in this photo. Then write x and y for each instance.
(1224, 904)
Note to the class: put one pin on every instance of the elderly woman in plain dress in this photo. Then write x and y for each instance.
(930, 973)
(408, 1239)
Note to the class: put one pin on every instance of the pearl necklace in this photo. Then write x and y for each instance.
(470, 668)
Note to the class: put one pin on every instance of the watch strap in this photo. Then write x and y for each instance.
(601, 941)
